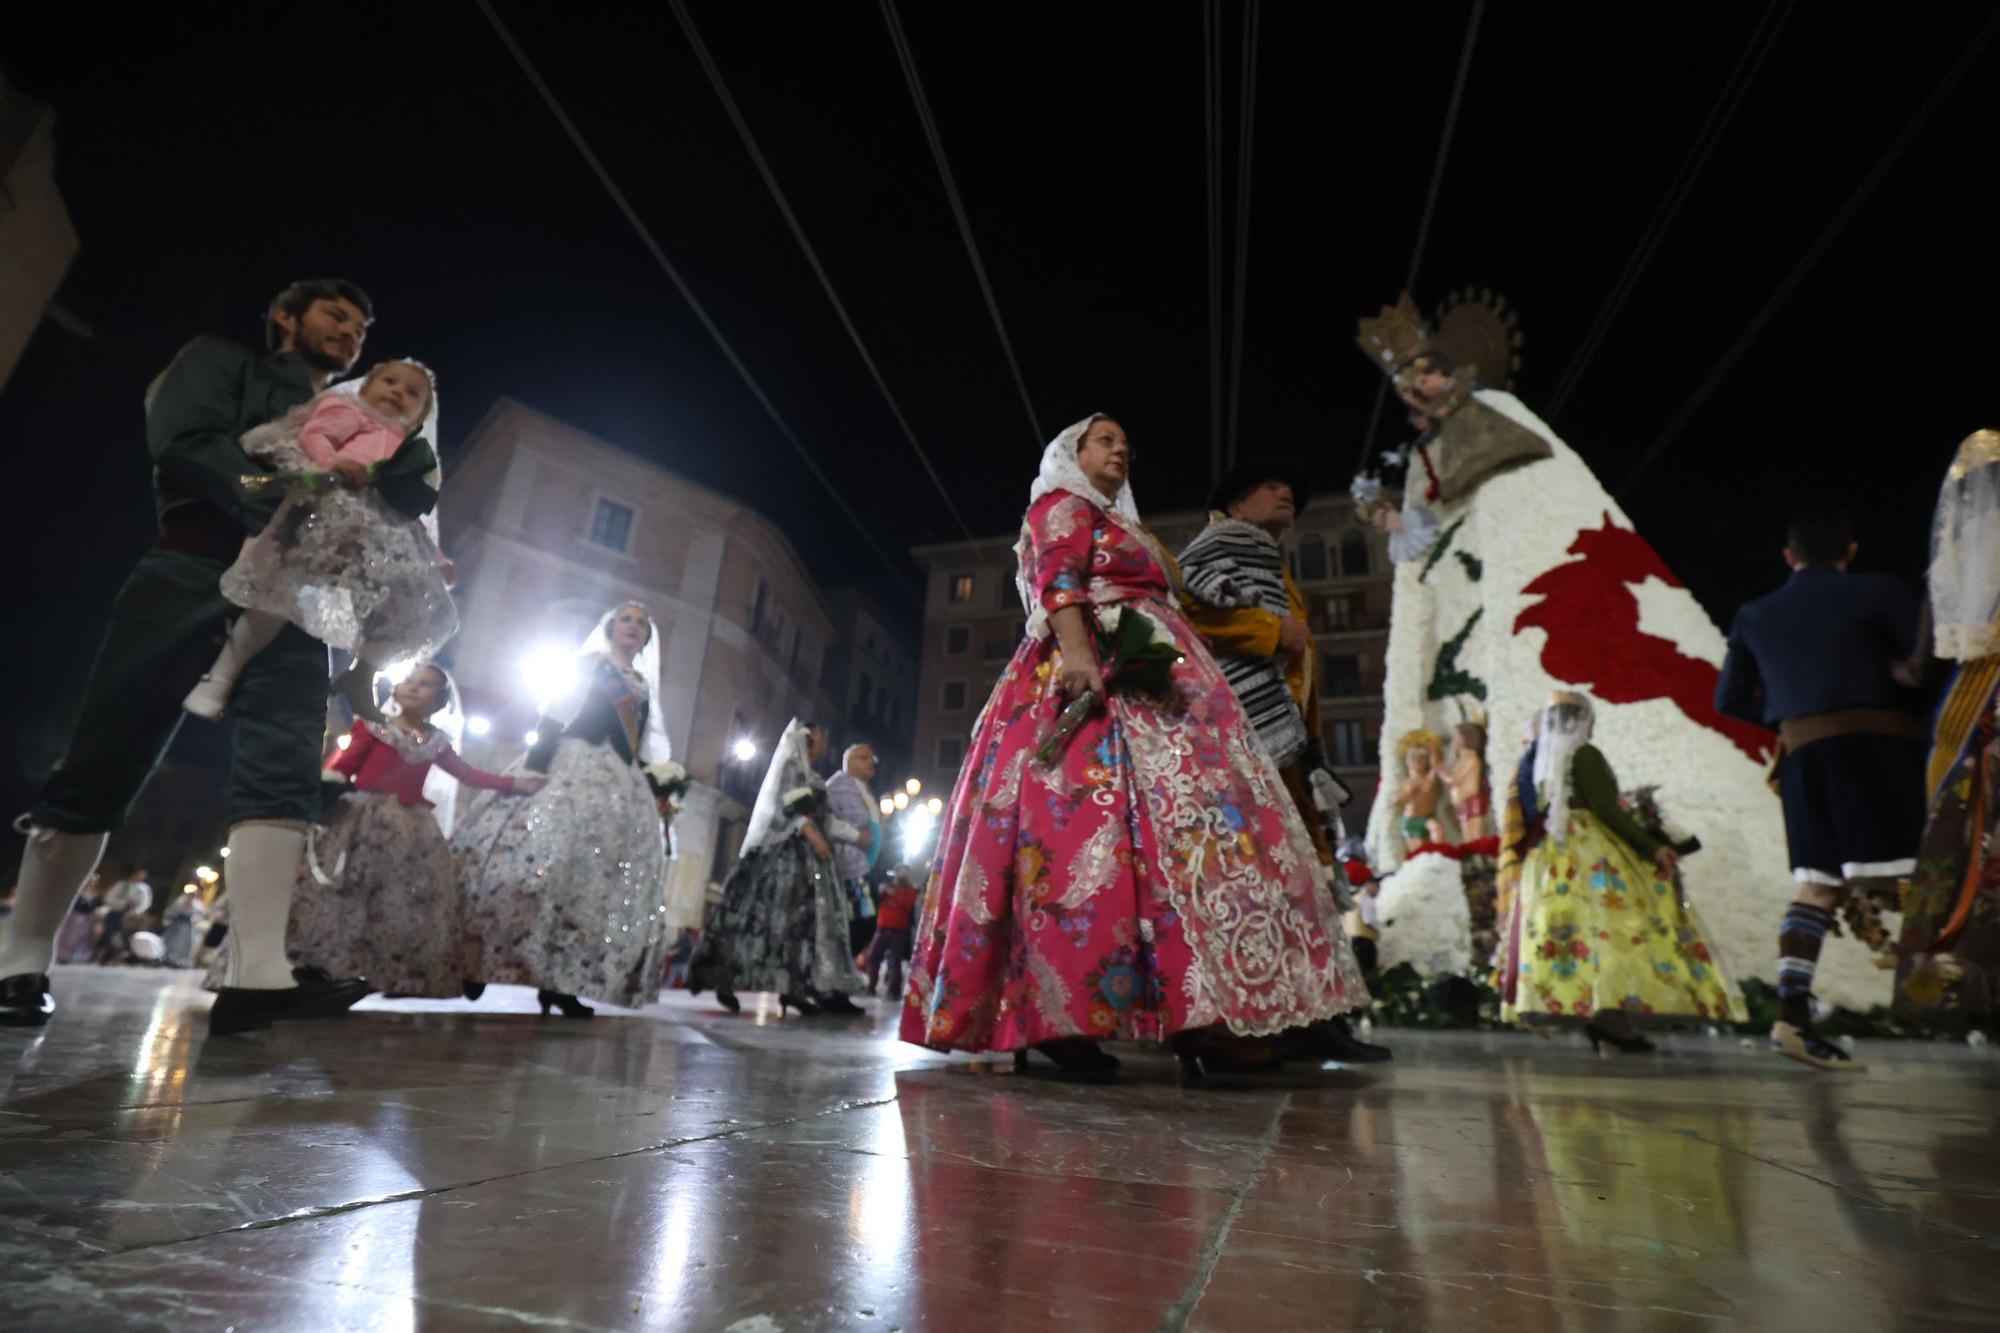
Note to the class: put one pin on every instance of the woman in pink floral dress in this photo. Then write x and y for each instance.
(1152, 883)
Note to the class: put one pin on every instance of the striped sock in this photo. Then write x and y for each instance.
(1798, 958)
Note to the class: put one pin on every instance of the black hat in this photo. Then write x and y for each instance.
(1247, 476)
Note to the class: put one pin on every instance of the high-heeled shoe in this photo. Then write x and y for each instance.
(837, 1003)
(571, 1006)
(472, 990)
(727, 999)
(1210, 1050)
(1631, 1043)
(806, 1008)
(1073, 1057)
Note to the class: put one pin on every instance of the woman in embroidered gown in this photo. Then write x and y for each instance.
(782, 922)
(1599, 932)
(566, 890)
(1949, 973)
(1153, 883)
(379, 895)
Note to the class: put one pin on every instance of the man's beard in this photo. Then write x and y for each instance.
(318, 357)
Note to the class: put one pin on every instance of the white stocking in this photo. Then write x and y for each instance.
(263, 866)
(53, 868)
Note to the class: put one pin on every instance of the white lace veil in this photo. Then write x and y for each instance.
(654, 747)
(791, 768)
(1061, 472)
(429, 430)
(1965, 552)
(1565, 728)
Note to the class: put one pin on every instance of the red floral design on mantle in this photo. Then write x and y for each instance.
(1592, 619)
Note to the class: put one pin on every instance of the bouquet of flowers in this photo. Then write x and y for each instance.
(670, 782)
(804, 801)
(1135, 654)
(1643, 804)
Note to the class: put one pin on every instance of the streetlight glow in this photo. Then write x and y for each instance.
(549, 672)
(745, 750)
(888, 806)
(935, 805)
(913, 786)
(902, 800)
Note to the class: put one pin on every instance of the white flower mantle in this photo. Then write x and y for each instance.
(1516, 527)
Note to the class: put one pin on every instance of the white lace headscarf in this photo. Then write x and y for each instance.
(1061, 472)
(654, 747)
(428, 429)
(1965, 552)
(1565, 728)
(791, 768)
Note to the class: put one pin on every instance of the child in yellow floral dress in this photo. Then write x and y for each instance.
(1599, 934)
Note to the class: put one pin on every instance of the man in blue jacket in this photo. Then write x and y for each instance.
(1813, 661)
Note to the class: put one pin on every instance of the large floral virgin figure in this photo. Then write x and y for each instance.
(1518, 574)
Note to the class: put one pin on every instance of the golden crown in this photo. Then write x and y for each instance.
(1395, 337)
(1419, 738)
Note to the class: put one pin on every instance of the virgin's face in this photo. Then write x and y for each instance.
(1105, 456)
(816, 744)
(421, 693)
(631, 629)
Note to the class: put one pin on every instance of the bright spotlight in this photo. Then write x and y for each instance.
(477, 726)
(225, 851)
(532, 738)
(913, 786)
(745, 750)
(935, 805)
(205, 874)
(888, 806)
(902, 800)
(549, 672)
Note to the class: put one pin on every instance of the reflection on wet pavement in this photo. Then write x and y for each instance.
(446, 1166)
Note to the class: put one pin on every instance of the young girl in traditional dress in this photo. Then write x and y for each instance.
(336, 559)
(379, 896)
(1599, 934)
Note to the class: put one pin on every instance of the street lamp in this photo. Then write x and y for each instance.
(935, 805)
(913, 786)
(902, 800)
(888, 806)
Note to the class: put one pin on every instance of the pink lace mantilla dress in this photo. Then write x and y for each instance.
(1155, 879)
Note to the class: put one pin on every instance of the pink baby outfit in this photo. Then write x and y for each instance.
(343, 426)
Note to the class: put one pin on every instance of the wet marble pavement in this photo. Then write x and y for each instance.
(454, 1166)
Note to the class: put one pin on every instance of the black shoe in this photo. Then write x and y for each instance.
(571, 1006)
(1335, 1040)
(806, 1008)
(1631, 1043)
(25, 1001)
(727, 999)
(238, 1009)
(839, 1004)
(1073, 1057)
(472, 990)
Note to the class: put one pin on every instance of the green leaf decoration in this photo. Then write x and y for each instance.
(1449, 678)
(1473, 568)
(1437, 552)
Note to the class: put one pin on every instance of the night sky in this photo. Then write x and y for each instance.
(211, 154)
